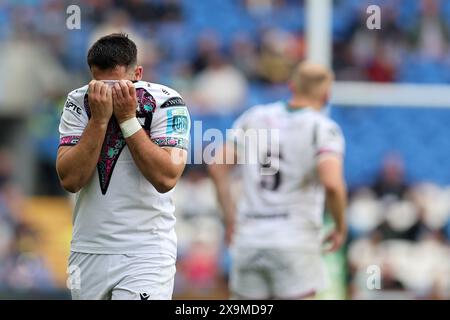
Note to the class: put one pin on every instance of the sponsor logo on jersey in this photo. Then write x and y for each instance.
(72, 107)
(180, 124)
(177, 121)
(144, 296)
(173, 102)
(335, 132)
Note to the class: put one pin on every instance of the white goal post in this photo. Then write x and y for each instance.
(319, 17)
(367, 94)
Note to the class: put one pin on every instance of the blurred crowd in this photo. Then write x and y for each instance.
(402, 229)
(224, 56)
(411, 46)
(22, 270)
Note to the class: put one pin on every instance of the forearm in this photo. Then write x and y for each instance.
(154, 162)
(76, 165)
(336, 203)
(219, 173)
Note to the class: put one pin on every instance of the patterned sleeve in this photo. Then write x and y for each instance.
(171, 124)
(330, 139)
(73, 121)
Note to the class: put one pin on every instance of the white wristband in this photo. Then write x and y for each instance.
(130, 127)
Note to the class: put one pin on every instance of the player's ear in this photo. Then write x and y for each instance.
(138, 73)
(326, 95)
(326, 98)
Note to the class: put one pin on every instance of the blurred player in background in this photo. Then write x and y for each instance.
(122, 149)
(276, 236)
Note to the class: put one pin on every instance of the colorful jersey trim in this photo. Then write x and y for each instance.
(324, 151)
(172, 142)
(69, 141)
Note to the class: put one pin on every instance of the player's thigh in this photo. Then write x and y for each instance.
(248, 278)
(297, 274)
(87, 279)
(145, 278)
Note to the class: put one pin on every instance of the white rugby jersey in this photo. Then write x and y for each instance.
(283, 208)
(119, 211)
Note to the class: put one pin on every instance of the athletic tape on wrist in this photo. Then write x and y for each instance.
(130, 127)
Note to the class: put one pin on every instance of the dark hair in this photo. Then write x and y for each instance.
(113, 50)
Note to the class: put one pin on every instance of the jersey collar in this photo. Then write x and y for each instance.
(290, 109)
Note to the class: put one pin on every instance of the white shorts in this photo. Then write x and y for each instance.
(276, 273)
(120, 276)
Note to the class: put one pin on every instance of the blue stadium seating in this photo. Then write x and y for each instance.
(420, 135)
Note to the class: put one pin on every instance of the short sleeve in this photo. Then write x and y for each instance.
(330, 139)
(241, 121)
(73, 122)
(239, 128)
(171, 124)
